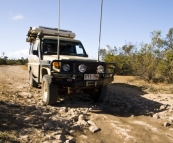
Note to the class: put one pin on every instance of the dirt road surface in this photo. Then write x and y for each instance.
(134, 112)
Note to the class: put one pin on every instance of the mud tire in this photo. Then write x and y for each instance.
(100, 94)
(49, 91)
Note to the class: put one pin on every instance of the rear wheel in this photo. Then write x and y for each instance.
(49, 91)
(32, 82)
(99, 94)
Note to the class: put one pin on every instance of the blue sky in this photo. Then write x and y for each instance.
(123, 21)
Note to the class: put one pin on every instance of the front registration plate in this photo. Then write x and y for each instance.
(91, 76)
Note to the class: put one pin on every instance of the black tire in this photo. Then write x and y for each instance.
(32, 82)
(103, 94)
(99, 94)
(49, 91)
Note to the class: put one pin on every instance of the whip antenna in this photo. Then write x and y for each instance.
(58, 31)
(100, 28)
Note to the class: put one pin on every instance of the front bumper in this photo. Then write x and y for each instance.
(77, 83)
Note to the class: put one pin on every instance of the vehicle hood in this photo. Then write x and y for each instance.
(62, 57)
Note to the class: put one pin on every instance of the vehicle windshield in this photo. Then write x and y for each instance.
(66, 48)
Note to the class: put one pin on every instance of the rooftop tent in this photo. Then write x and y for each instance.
(33, 31)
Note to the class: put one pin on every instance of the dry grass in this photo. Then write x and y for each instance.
(163, 88)
(6, 137)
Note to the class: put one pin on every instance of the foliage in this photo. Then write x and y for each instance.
(151, 61)
(6, 61)
(2, 62)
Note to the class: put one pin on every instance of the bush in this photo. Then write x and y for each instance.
(3, 62)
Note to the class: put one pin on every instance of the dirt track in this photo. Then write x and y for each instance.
(129, 114)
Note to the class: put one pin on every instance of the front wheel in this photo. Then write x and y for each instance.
(99, 94)
(49, 91)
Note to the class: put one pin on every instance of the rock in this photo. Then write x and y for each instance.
(2, 92)
(30, 108)
(72, 131)
(60, 137)
(29, 96)
(166, 124)
(39, 133)
(132, 116)
(48, 137)
(74, 118)
(55, 117)
(91, 123)
(75, 127)
(81, 117)
(46, 141)
(24, 138)
(83, 123)
(95, 109)
(29, 100)
(163, 107)
(63, 110)
(48, 125)
(19, 121)
(84, 136)
(171, 119)
(156, 116)
(94, 129)
(28, 120)
(59, 131)
(70, 141)
(70, 137)
(36, 112)
(47, 115)
(57, 141)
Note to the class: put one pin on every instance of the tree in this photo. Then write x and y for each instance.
(102, 54)
(127, 48)
(166, 67)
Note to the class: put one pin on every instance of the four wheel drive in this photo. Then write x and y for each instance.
(60, 63)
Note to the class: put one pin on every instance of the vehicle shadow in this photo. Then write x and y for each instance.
(127, 100)
(122, 100)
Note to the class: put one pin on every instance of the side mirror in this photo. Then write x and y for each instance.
(86, 55)
(35, 52)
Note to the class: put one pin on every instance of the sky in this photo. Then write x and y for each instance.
(123, 21)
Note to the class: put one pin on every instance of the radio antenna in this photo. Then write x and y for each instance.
(100, 28)
(58, 51)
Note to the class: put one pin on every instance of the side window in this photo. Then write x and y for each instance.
(30, 49)
(35, 46)
(79, 49)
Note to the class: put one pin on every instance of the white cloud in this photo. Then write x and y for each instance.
(17, 16)
(18, 54)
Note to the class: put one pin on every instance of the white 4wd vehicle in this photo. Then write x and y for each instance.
(67, 69)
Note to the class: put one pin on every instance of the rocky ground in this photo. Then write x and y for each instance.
(134, 111)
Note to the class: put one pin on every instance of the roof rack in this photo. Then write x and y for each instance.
(48, 31)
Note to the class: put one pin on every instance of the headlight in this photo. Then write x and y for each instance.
(100, 69)
(82, 68)
(66, 67)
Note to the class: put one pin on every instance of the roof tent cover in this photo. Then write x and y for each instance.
(33, 31)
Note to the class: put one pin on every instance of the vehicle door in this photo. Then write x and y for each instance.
(34, 58)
